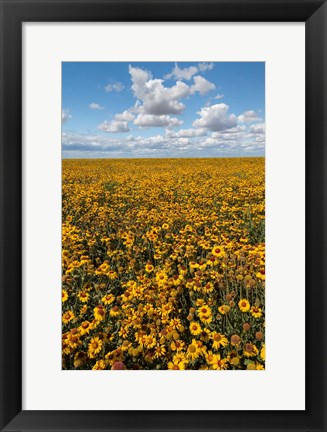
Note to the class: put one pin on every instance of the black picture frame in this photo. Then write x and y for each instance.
(13, 14)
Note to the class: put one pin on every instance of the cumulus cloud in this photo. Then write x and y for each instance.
(186, 133)
(248, 117)
(202, 85)
(117, 87)
(236, 131)
(215, 118)
(157, 99)
(257, 134)
(219, 96)
(114, 126)
(182, 73)
(125, 116)
(203, 67)
(95, 106)
(150, 120)
(80, 142)
(258, 128)
(65, 116)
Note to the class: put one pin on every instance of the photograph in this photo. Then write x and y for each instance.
(163, 215)
(162, 164)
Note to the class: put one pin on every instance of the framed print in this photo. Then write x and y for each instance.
(163, 215)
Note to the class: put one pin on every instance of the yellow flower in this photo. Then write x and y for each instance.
(94, 347)
(204, 311)
(193, 351)
(218, 363)
(114, 311)
(150, 341)
(256, 312)
(224, 309)
(206, 319)
(64, 296)
(195, 328)
(174, 365)
(261, 274)
(99, 313)
(217, 251)
(250, 350)
(161, 278)
(175, 323)
(85, 328)
(159, 351)
(218, 340)
(83, 296)
(99, 365)
(149, 267)
(108, 299)
(244, 305)
(73, 339)
(68, 316)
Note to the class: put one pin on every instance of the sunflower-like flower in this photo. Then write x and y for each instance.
(83, 296)
(195, 328)
(68, 316)
(217, 363)
(250, 350)
(99, 313)
(218, 251)
(94, 347)
(218, 340)
(64, 296)
(108, 299)
(256, 312)
(244, 305)
(193, 351)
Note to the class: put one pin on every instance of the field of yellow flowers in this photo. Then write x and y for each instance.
(163, 264)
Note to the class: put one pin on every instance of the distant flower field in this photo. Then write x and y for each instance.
(163, 264)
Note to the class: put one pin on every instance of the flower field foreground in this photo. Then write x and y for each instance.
(163, 264)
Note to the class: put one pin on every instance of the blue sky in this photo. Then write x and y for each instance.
(163, 109)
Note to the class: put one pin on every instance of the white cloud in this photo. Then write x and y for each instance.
(219, 96)
(114, 126)
(185, 73)
(125, 116)
(232, 132)
(152, 141)
(202, 85)
(95, 106)
(157, 99)
(150, 120)
(258, 129)
(80, 142)
(117, 87)
(205, 66)
(79, 145)
(209, 142)
(215, 118)
(186, 133)
(248, 117)
(65, 116)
